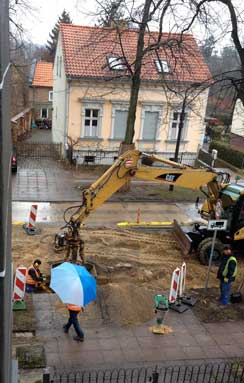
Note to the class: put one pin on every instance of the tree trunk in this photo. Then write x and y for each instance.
(136, 78)
(122, 149)
(181, 126)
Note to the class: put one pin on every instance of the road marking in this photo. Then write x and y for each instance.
(153, 223)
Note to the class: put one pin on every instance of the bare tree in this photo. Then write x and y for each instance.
(204, 11)
(142, 17)
(111, 13)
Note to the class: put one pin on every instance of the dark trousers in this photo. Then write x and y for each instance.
(224, 292)
(74, 321)
(29, 288)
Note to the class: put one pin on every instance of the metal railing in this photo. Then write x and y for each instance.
(107, 157)
(204, 373)
(38, 150)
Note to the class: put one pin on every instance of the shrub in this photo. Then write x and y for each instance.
(215, 132)
(233, 156)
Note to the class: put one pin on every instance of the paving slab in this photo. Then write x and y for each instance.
(112, 345)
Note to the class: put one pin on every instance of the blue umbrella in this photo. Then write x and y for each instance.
(73, 284)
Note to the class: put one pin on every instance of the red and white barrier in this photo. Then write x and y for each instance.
(19, 283)
(175, 282)
(182, 279)
(32, 217)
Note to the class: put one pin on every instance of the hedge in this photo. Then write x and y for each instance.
(215, 132)
(228, 154)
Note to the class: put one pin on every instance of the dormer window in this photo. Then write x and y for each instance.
(116, 63)
(162, 66)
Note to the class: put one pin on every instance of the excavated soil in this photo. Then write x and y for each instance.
(132, 266)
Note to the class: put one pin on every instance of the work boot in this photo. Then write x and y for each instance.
(65, 329)
(78, 338)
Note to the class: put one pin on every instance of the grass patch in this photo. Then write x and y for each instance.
(24, 320)
(31, 356)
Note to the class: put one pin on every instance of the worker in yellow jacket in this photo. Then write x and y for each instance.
(226, 274)
(73, 320)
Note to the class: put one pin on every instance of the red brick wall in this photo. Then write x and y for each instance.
(39, 95)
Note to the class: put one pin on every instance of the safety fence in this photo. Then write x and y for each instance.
(204, 373)
(107, 157)
(38, 150)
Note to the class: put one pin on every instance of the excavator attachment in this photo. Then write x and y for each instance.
(126, 168)
(183, 240)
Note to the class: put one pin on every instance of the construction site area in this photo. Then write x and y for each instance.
(131, 267)
(132, 263)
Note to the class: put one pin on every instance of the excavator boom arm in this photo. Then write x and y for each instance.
(127, 167)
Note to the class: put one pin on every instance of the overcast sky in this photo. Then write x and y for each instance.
(39, 23)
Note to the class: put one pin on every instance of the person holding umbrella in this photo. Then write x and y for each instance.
(73, 320)
(76, 287)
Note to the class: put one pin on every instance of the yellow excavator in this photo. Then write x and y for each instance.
(135, 164)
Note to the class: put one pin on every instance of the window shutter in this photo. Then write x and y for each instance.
(120, 122)
(150, 125)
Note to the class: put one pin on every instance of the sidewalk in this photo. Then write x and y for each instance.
(107, 345)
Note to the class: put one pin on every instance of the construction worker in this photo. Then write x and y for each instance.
(34, 277)
(226, 273)
(73, 313)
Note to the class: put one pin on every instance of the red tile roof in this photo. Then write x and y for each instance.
(43, 74)
(86, 50)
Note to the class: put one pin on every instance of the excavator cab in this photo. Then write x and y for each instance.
(232, 199)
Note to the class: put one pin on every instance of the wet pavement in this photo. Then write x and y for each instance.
(48, 180)
(45, 180)
(107, 345)
(40, 136)
(110, 213)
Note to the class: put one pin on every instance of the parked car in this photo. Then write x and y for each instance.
(14, 164)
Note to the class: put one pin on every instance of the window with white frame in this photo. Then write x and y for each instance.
(162, 66)
(174, 125)
(50, 96)
(44, 113)
(150, 122)
(91, 122)
(116, 63)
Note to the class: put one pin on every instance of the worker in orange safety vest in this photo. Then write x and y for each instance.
(73, 320)
(34, 276)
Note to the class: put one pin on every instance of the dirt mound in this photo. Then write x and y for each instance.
(128, 304)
